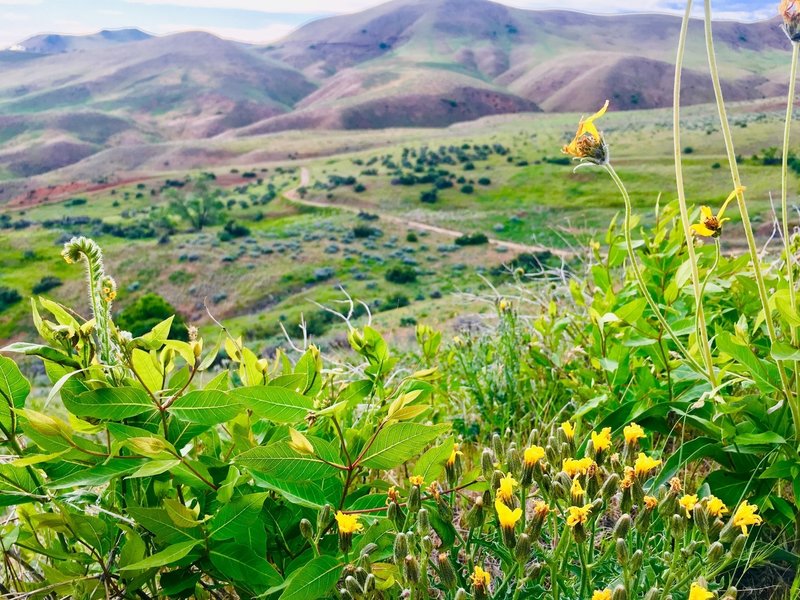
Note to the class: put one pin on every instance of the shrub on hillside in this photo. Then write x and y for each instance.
(8, 296)
(147, 312)
(472, 239)
(46, 283)
(401, 274)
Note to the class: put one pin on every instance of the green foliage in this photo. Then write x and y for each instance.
(401, 274)
(146, 312)
(47, 283)
(8, 297)
(472, 239)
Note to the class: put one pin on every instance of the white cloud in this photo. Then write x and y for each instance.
(272, 6)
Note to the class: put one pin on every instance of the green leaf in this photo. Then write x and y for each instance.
(431, 464)
(765, 438)
(167, 556)
(16, 485)
(764, 374)
(277, 404)
(397, 443)
(314, 580)
(241, 564)
(148, 369)
(97, 475)
(206, 407)
(280, 460)
(110, 403)
(14, 389)
(42, 351)
(784, 351)
(235, 518)
(155, 467)
(155, 338)
(158, 522)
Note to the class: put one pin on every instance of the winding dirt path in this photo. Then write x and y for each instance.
(293, 195)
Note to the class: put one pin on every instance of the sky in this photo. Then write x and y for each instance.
(263, 21)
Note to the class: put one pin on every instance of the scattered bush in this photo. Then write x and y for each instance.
(8, 297)
(472, 239)
(401, 274)
(46, 283)
(147, 312)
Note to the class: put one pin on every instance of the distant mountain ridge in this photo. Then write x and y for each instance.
(424, 63)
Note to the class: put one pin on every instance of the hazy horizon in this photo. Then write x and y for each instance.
(255, 21)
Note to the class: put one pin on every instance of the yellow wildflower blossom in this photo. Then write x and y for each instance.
(577, 491)
(568, 430)
(456, 452)
(506, 490)
(688, 501)
(710, 225)
(508, 518)
(574, 466)
(716, 507)
(540, 508)
(480, 578)
(602, 594)
(348, 523)
(650, 502)
(698, 592)
(633, 433)
(578, 514)
(588, 143)
(533, 455)
(644, 464)
(416, 480)
(602, 441)
(746, 515)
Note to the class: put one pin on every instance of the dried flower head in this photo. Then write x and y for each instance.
(791, 19)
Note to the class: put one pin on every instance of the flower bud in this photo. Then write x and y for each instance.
(522, 551)
(622, 526)
(609, 487)
(306, 530)
(353, 587)
(730, 594)
(423, 522)
(652, 594)
(487, 464)
(534, 571)
(495, 479)
(678, 525)
(411, 569)
(394, 515)
(738, 545)
(619, 593)
(446, 572)
(361, 576)
(700, 515)
(461, 594)
(476, 515)
(622, 551)
(497, 446)
(400, 546)
(715, 551)
(370, 584)
(344, 594)
(513, 460)
(636, 560)
(414, 499)
(324, 517)
(443, 508)
(427, 544)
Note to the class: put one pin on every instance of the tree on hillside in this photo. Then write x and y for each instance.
(200, 208)
(147, 312)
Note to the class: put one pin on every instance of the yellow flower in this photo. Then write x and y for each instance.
(633, 433)
(568, 430)
(716, 507)
(644, 464)
(416, 480)
(577, 491)
(348, 523)
(578, 514)
(602, 594)
(627, 479)
(588, 142)
(710, 225)
(688, 501)
(602, 441)
(508, 518)
(541, 508)
(574, 466)
(456, 452)
(299, 443)
(391, 495)
(650, 502)
(675, 485)
(506, 490)
(697, 592)
(533, 455)
(480, 578)
(746, 515)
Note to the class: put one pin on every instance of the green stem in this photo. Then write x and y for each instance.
(784, 202)
(698, 307)
(687, 231)
(747, 226)
(638, 273)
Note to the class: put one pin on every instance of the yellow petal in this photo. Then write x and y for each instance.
(701, 229)
(706, 212)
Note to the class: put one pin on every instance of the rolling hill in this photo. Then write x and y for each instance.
(408, 63)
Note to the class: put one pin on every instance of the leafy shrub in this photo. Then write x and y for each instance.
(362, 231)
(8, 297)
(233, 230)
(146, 312)
(46, 283)
(429, 196)
(412, 237)
(401, 274)
(467, 189)
(472, 239)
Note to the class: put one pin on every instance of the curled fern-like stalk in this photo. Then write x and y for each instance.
(102, 291)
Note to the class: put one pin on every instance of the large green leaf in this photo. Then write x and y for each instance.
(397, 443)
(234, 518)
(763, 373)
(314, 580)
(431, 464)
(206, 407)
(277, 404)
(242, 565)
(170, 554)
(280, 460)
(97, 475)
(16, 485)
(14, 389)
(110, 403)
(158, 522)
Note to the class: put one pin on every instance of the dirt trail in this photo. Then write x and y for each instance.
(293, 195)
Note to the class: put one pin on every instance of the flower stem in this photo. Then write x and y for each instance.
(746, 225)
(789, 257)
(638, 273)
(702, 330)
